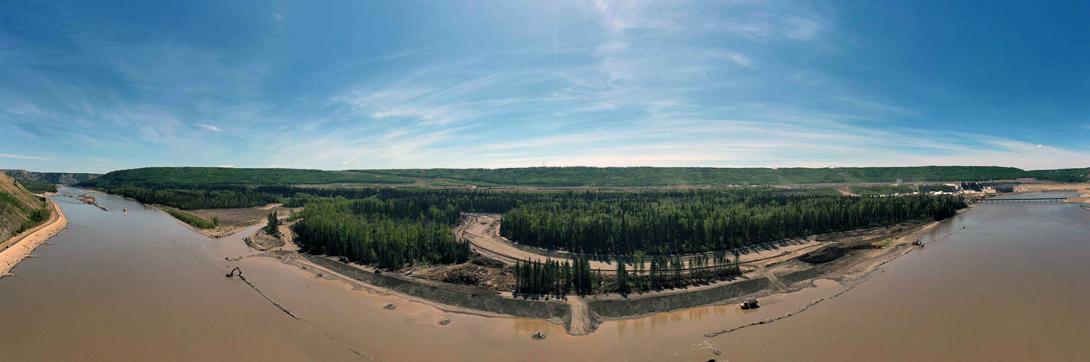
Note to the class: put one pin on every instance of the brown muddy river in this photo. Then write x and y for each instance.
(1003, 281)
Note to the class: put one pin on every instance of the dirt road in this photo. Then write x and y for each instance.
(581, 324)
(483, 233)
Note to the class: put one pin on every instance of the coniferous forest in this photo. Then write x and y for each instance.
(380, 233)
(701, 222)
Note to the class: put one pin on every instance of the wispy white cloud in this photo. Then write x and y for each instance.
(23, 157)
(673, 83)
(209, 127)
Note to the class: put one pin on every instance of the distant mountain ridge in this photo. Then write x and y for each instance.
(62, 178)
(187, 177)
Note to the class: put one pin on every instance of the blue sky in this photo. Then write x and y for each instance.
(89, 86)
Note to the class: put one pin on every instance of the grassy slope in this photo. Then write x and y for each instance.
(16, 206)
(189, 218)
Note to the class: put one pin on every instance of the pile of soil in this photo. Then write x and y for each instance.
(487, 262)
(831, 253)
(471, 274)
(263, 241)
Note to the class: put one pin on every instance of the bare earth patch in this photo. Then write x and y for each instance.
(1082, 189)
(231, 220)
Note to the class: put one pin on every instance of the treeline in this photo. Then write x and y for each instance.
(534, 278)
(194, 220)
(669, 272)
(38, 187)
(706, 222)
(882, 190)
(35, 218)
(676, 176)
(186, 177)
(554, 278)
(387, 234)
(190, 199)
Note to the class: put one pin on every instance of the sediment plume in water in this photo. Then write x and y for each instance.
(266, 296)
(774, 319)
(877, 268)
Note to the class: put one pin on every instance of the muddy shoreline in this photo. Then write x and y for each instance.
(794, 275)
(788, 275)
(642, 306)
(450, 294)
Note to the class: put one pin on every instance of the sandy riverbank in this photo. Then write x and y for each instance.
(20, 246)
(230, 221)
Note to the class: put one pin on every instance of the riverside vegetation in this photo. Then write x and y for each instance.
(20, 210)
(398, 227)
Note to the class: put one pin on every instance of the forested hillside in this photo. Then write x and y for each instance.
(39, 182)
(191, 177)
(676, 176)
(19, 209)
(205, 177)
(386, 233)
(1062, 175)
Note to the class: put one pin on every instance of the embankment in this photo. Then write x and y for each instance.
(637, 306)
(20, 246)
(453, 295)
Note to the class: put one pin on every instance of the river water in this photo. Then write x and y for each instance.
(1002, 281)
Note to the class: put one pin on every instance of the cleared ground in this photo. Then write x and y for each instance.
(482, 232)
(231, 220)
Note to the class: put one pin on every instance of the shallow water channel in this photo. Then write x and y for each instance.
(1004, 281)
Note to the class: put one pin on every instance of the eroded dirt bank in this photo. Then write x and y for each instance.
(449, 294)
(641, 306)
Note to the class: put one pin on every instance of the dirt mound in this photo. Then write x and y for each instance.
(471, 274)
(831, 253)
(262, 240)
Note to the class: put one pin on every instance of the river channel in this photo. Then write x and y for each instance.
(1002, 281)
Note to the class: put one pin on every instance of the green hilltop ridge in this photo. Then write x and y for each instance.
(187, 177)
(47, 181)
(205, 176)
(702, 176)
